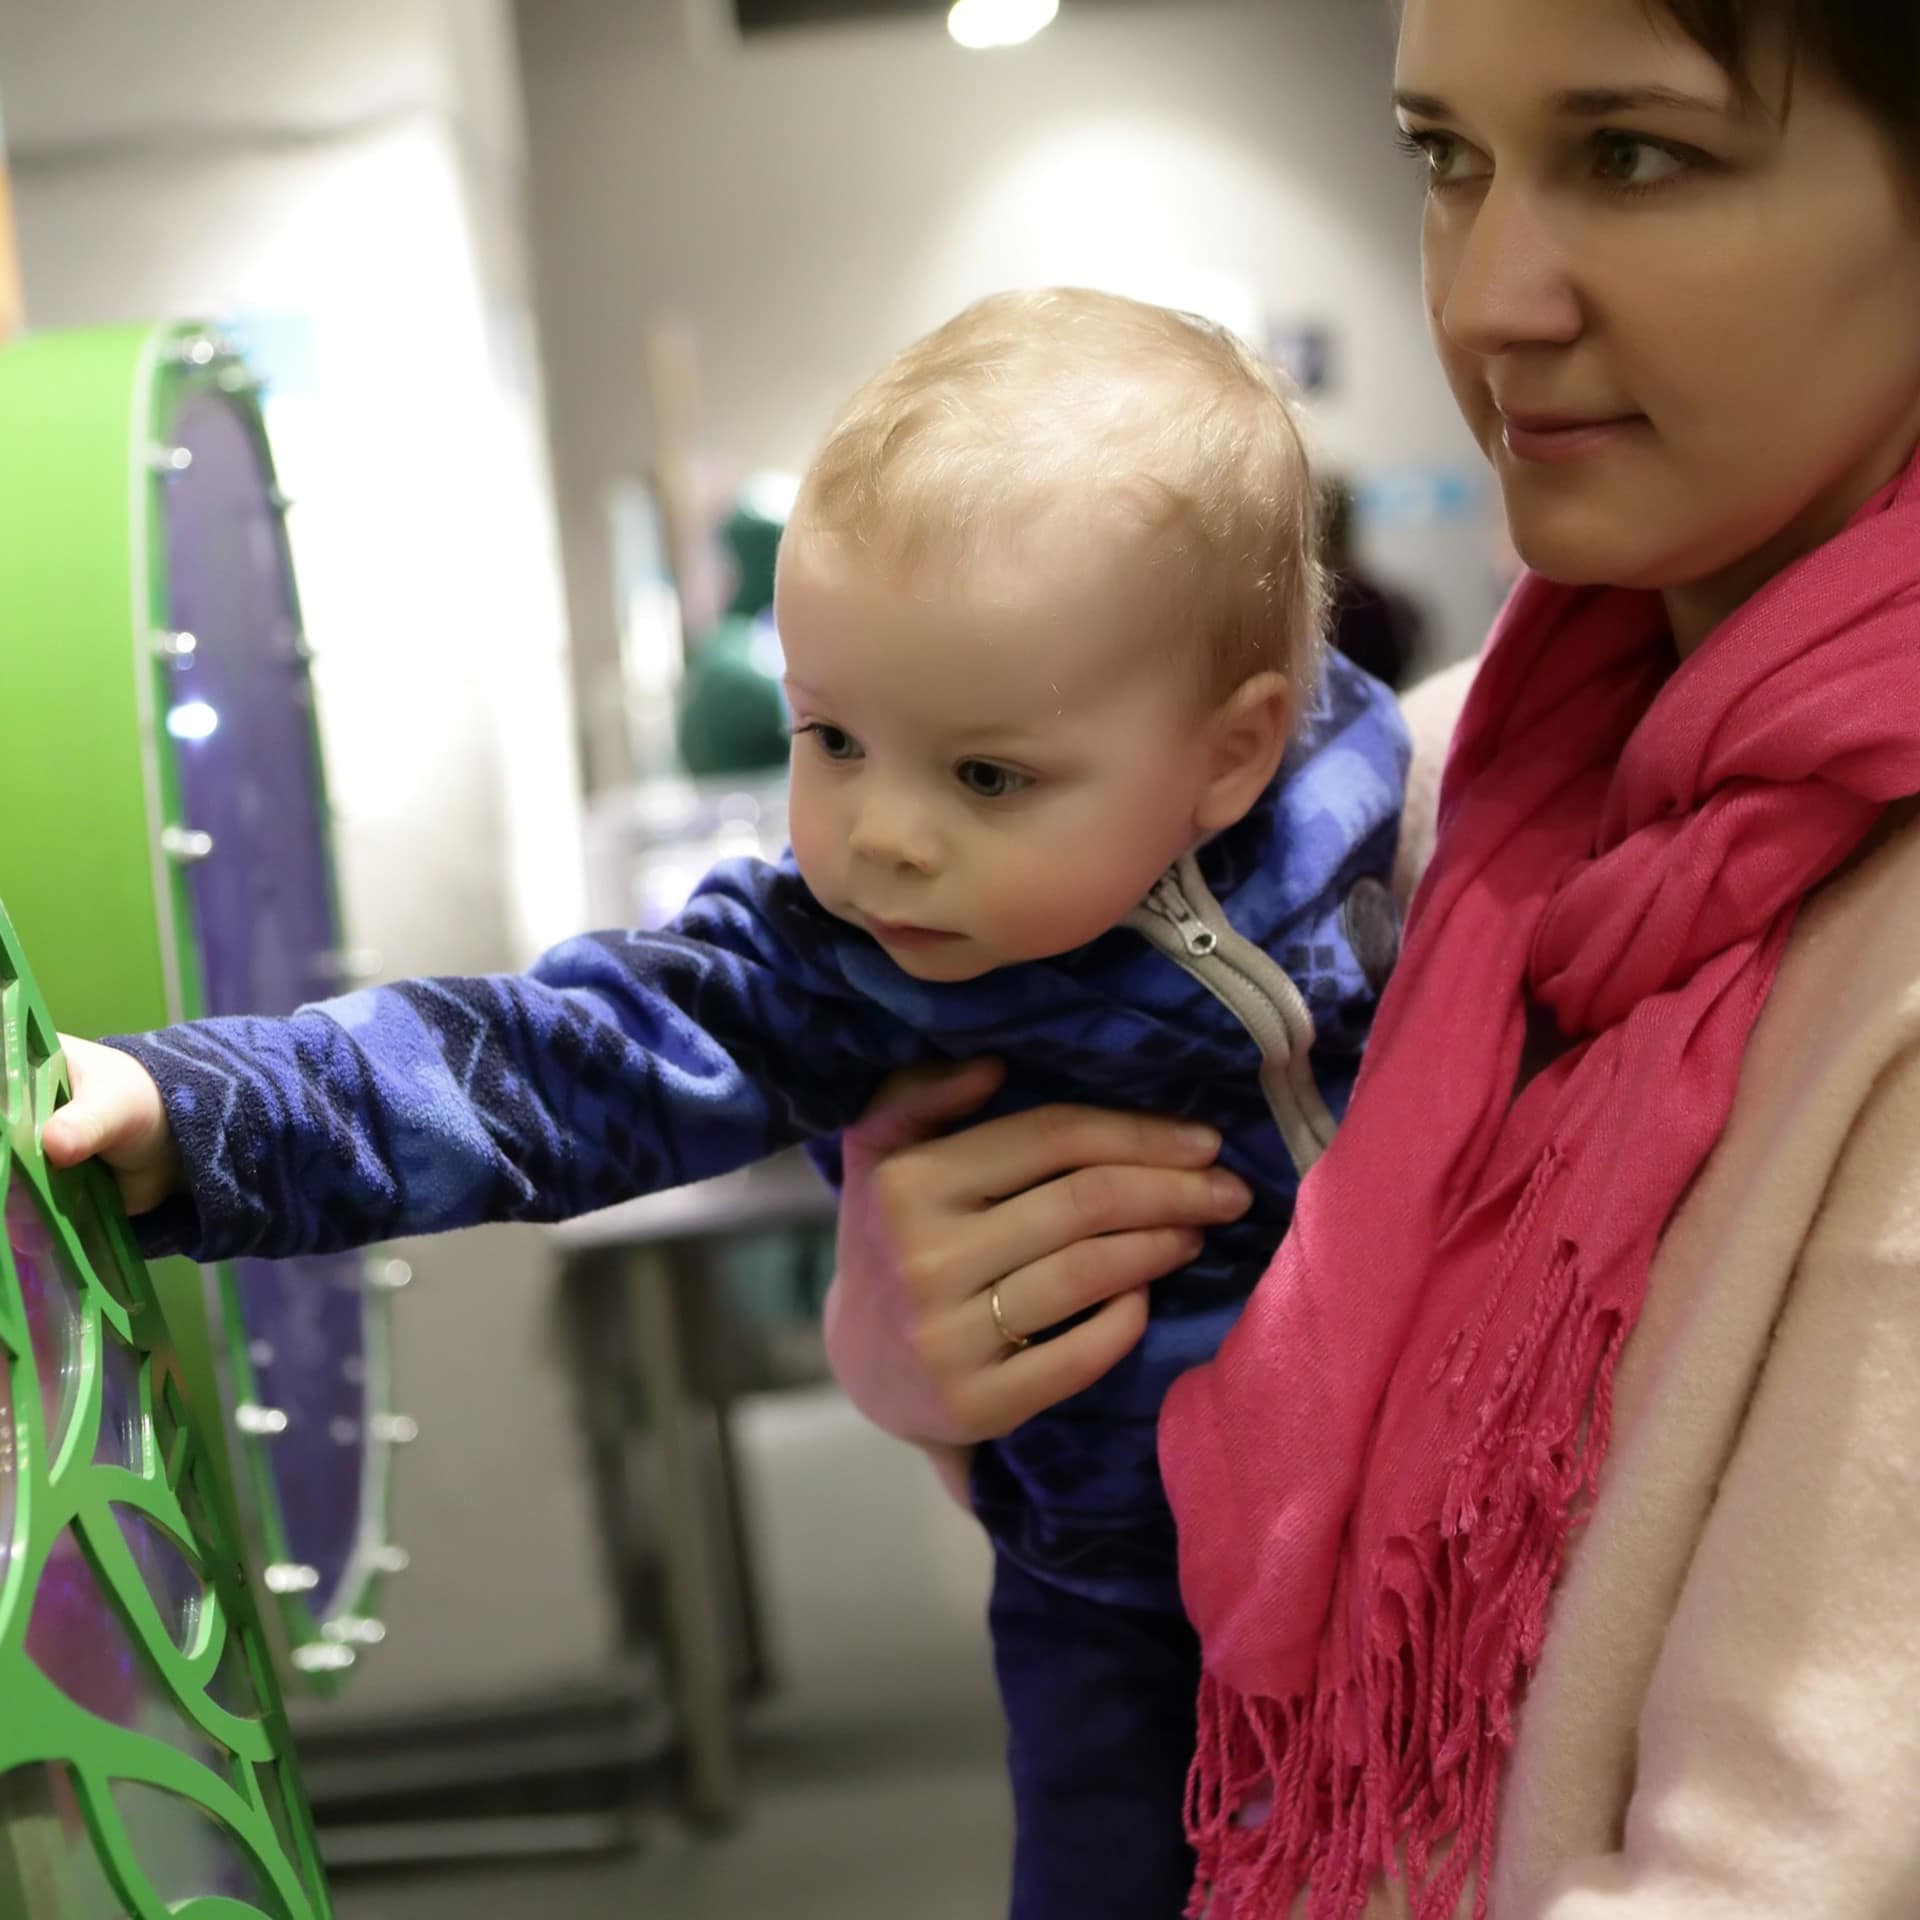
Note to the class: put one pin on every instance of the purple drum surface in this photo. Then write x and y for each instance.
(264, 927)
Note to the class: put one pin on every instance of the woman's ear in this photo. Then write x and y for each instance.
(1246, 736)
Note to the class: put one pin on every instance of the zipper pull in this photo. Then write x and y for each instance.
(1170, 904)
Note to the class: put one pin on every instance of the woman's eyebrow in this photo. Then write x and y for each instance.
(1579, 103)
(1592, 103)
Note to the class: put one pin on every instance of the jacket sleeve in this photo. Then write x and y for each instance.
(619, 1064)
(1778, 1766)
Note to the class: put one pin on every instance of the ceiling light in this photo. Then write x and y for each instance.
(999, 23)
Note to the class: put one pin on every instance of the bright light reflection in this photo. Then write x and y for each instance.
(192, 720)
(999, 23)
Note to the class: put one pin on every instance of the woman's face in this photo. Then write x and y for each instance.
(1685, 329)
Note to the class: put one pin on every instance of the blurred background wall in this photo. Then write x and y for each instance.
(801, 203)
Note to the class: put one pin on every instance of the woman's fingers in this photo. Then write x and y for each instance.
(998, 1399)
(1080, 1210)
(1042, 1296)
(1071, 1212)
(1021, 1150)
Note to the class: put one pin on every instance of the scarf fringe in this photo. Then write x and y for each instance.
(1395, 1761)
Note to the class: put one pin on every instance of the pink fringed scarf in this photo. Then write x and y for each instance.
(1376, 1478)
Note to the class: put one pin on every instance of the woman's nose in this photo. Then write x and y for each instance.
(1498, 277)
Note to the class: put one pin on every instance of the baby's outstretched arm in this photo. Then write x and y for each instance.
(619, 1064)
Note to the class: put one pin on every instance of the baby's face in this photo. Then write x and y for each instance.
(991, 763)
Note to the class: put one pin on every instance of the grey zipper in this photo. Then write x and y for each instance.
(1183, 919)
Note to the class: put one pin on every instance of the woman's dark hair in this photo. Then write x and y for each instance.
(1871, 47)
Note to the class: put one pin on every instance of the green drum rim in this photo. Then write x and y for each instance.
(212, 1664)
(86, 417)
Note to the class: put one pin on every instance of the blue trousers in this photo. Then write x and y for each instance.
(1100, 1732)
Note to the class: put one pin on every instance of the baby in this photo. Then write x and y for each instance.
(1072, 785)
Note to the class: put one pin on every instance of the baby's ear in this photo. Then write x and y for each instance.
(1246, 736)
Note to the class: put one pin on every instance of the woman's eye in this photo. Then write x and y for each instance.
(988, 780)
(1448, 161)
(835, 742)
(1627, 161)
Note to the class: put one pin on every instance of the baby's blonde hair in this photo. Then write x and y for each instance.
(1067, 398)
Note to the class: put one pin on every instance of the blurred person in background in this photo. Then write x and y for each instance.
(1375, 625)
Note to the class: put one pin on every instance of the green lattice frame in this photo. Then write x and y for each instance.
(83, 570)
(77, 1790)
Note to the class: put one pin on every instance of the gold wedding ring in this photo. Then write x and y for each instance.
(1015, 1340)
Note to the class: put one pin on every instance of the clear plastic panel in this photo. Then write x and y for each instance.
(56, 1325)
(77, 1638)
(177, 1589)
(169, 1420)
(48, 1869)
(72, 1194)
(185, 1851)
(123, 1432)
(232, 1685)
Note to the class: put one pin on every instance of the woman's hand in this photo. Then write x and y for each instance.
(117, 1114)
(1057, 1211)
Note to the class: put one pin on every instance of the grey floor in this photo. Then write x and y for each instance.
(876, 1778)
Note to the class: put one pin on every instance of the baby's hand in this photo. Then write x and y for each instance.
(116, 1114)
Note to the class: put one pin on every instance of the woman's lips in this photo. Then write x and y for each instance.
(1549, 439)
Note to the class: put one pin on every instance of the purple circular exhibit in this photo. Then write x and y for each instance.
(265, 926)
(263, 909)
(305, 1322)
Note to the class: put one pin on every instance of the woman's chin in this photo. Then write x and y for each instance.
(1586, 546)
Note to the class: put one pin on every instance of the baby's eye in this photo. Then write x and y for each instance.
(988, 780)
(835, 742)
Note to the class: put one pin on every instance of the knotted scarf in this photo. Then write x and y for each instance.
(1376, 1478)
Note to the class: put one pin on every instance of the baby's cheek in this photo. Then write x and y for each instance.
(1063, 900)
(811, 833)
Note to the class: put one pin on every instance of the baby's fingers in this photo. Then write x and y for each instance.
(116, 1113)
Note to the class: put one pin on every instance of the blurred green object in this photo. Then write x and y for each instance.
(752, 534)
(733, 714)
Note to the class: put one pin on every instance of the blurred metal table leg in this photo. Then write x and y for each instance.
(711, 1352)
(696, 1600)
(694, 1577)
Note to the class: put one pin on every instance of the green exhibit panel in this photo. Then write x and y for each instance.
(165, 850)
(145, 1766)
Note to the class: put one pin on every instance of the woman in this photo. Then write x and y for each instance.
(1549, 1520)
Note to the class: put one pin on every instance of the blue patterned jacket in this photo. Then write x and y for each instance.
(626, 1062)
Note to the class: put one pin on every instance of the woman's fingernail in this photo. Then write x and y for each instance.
(1229, 1192)
(1199, 1139)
